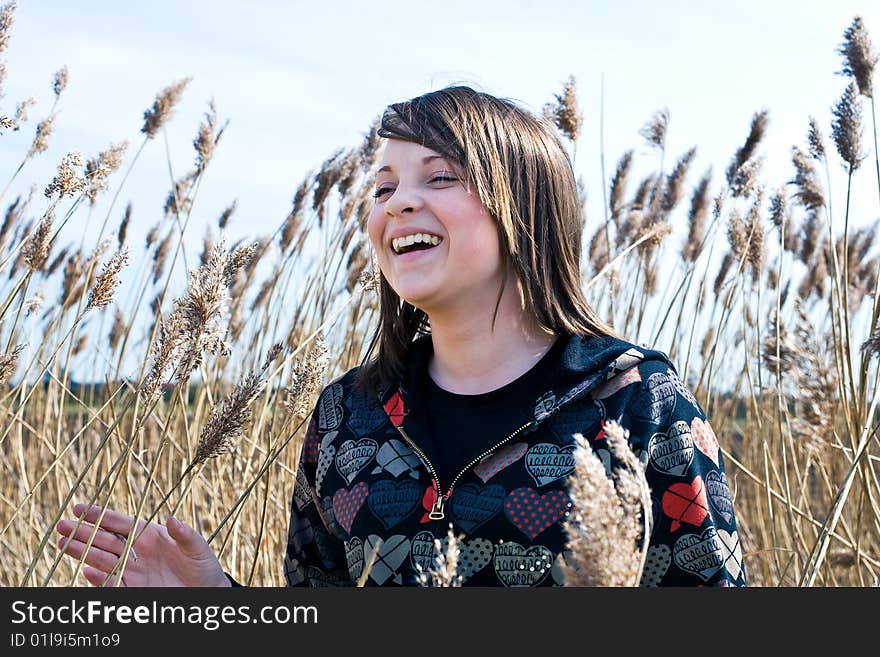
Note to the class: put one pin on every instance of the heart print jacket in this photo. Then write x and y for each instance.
(365, 491)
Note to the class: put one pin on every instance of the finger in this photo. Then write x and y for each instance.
(95, 557)
(105, 540)
(189, 540)
(113, 521)
(97, 577)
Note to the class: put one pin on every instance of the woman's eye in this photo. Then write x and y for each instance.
(385, 190)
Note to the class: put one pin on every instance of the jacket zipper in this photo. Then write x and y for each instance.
(437, 512)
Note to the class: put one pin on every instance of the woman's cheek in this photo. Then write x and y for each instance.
(375, 228)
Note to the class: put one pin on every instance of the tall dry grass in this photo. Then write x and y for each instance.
(770, 311)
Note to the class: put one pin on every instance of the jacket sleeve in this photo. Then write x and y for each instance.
(314, 555)
(694, 539)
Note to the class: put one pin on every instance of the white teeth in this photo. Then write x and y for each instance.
(400, 242)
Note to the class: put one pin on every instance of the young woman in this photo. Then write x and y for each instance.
(488, 361)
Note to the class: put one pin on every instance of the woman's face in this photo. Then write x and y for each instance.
(418, 191)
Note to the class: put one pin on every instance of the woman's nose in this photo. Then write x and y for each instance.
(403, 199)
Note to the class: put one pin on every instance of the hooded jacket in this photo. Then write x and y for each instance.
(366, 496)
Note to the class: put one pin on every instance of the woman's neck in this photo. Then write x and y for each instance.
(470, 358)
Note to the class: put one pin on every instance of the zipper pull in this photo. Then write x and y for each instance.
(437, 509)
(436, 512)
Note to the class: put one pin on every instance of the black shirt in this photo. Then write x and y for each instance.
(461, 427)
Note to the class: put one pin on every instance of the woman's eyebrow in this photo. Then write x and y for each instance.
(425, 160)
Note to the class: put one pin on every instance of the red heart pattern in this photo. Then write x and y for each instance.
(395, 409)
(532, 513)
(346, 504)
(704, 439)
(686, 503)
(495, 463)
(632, 375)
(310, 445)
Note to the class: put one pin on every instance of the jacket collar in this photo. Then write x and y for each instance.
(587, 362)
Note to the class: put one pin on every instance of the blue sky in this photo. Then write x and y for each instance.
(298, 80)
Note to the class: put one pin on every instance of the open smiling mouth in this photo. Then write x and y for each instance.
(418, 242)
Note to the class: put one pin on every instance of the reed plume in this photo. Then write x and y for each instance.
(41, 138)
(68, 180)
(13, 214)
(746, 181)
(107, 281)
(59, 83)
(809, 193)
(202, 308)
(755, 231)
(747, 150)
(228, 423)
(207, 139)
(160, 255)
(370, 278)
(610, 517)
(443, 571)
(815, 140)
(116, 330)
(778, 208)
(36, 250)
(7, 18)
(195, 324)
(163, 107)
(654, 131)
(618, 187)
(305, 380)
(8, 364)
(672, 191)
(859, 56)
(226, 215)
(123, 227)
(21, 112)
(723, 270)
(34, 304)
(846, 128)
(699, 209)
(565, 113)
(57, 261)
(98, 169)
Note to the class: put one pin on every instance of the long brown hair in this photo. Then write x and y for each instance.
(521, 173)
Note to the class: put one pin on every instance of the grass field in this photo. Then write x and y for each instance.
(769, 309)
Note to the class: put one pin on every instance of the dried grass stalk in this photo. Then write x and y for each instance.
(443, 572)
(610, 517)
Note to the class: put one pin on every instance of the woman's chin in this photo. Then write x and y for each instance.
(421, 302)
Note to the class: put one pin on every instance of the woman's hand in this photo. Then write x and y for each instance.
(173, 555)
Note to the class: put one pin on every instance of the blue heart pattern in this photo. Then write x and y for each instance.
(392, 501)
(656, 401)
(352, 456)
(547, 462)
(472, 505)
